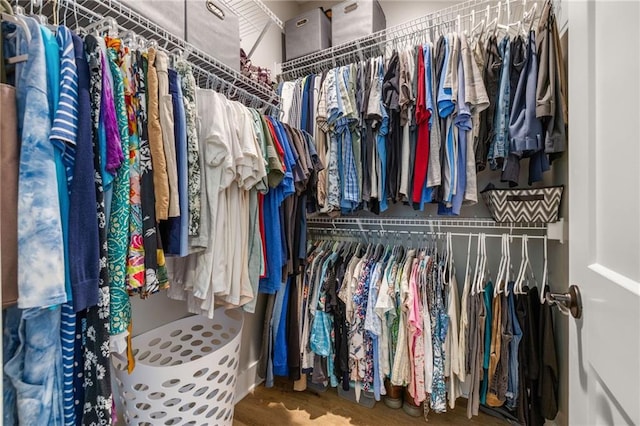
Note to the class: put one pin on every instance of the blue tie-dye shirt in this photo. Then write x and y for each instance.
(41, 273)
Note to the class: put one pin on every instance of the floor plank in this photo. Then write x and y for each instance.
(282, 406)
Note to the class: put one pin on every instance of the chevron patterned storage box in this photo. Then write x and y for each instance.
(539, 205)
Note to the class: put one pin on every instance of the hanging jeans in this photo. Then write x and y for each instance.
(33, 367)
(175, 230)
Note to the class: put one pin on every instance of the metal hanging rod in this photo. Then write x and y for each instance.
(91, 11)
(206, 80)
(431, 223)
(383, 233)
(378, 43)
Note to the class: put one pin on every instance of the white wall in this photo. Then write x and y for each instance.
(270, 50)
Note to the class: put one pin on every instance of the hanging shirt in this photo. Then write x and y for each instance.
(416, 337)
(446, 107)
(514, 347)
(333, 171)
(84, 244)
(385, 304)
(499, 148)
(453, 370)
(95, 375)
(135, 257)
(188, 86)
(491, 77)
(407, 100)
(462, 123)
(218, 172)
(487, 296)
(351, 182)
(156, 143)
(251, 171)
(154, 272)
(434, 170)
(373, 325)
(64, 170)
(400, 373)
(276, 258)
(118, 234)
(477, 100)
(176, 233)
(165, 105)
(383, 132)
(525, 129)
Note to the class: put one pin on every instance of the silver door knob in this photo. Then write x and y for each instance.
(569, 303)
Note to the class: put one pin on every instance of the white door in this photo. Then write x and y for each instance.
(604, 203)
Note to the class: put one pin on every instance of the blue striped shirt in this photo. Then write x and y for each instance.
(64, 131)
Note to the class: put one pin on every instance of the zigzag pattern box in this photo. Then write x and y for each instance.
(539, 205)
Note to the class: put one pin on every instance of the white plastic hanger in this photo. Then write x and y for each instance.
(531, 16)
(486, 276)
(507, 261)
(517, 288)
(477, 268)
(527, 264)
(472, 23)
(450, 249)
(501, 267)
(466, 270)
(509, 24)
(545, 271)
(496, 20)
(483, 264)
(509, 239)
(108, 24)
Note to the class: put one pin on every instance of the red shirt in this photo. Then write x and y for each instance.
(423, 144)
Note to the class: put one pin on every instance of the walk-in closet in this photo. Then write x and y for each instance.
(314, 212)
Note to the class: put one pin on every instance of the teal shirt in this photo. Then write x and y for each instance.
(488, 297)
(52, 56)
(118, 233)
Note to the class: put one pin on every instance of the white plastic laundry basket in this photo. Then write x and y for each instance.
(185, 372)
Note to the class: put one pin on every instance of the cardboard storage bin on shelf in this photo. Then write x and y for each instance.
(185, 373)
(167, 14)
(351, 20)
(207, 24)
(214, 29)
(307, 33)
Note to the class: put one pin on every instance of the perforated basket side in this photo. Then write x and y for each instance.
(189, 381)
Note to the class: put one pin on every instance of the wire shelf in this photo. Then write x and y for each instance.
(431, 223)
(254, 15)
(381, 42)
(385, 229)
(208, 68)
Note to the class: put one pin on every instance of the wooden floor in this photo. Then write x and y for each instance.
(282, 406)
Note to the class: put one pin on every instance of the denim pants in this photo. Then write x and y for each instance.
(33, 367)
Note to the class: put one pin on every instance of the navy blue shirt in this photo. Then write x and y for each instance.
(84, 244)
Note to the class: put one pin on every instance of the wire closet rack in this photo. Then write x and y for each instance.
(385, 227)
(208, 71)
(457, 17)
(254, 16)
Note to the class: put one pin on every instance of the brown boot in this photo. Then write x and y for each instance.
(393, 399)
(409, 406)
